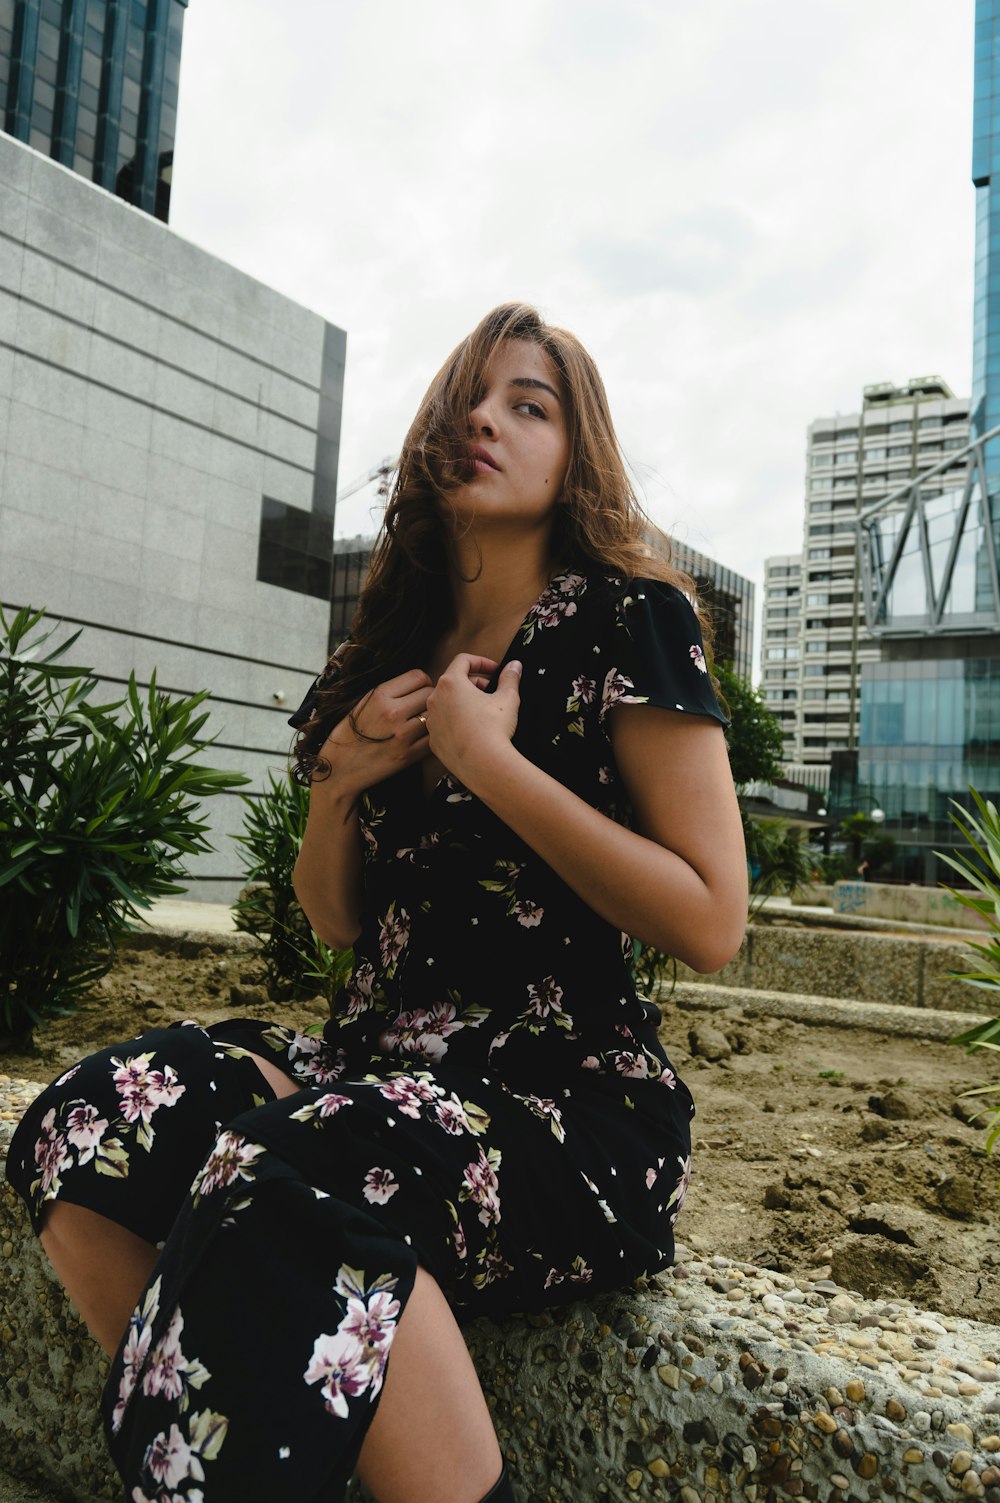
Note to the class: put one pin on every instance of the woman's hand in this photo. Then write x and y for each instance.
(467, 727)
(389, 735)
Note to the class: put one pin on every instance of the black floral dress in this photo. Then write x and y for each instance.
(490, 1101)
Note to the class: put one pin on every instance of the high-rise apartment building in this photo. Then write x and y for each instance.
(93, 84)
(815, 641)
(781, 644)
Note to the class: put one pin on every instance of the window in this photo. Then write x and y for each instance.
(871, 454)
(814, 694)
(819, 553)
(295, 549)
(821, 483)
(929, 422)
(815, 647)
(847, 456)
(900, 427)
(775, 654)
(813, 670)
(846, 433)
(817, 600)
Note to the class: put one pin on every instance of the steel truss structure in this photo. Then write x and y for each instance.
(929, 562)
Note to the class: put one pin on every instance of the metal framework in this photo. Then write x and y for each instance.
(894, 533)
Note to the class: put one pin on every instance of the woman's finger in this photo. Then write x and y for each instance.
(471, 666)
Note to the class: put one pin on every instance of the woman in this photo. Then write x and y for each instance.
(515, 763)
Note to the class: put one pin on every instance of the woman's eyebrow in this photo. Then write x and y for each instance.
(528, 383)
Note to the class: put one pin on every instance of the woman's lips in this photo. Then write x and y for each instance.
(482, 463)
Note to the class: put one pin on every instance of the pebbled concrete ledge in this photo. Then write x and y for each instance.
(714, 1381)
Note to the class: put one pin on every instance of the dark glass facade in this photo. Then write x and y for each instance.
(728, 598)
(350, 569)
(93, 84)
(930, 728)
(294, 548)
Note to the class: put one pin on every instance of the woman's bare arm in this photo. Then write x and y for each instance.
(677, 881)
(327, 876)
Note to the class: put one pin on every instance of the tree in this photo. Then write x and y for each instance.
(755, 738)
(866, 839)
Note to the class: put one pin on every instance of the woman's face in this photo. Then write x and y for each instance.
(518, 440)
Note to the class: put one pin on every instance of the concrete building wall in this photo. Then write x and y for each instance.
(150, 397)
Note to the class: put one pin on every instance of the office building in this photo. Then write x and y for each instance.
(169, 436)
(816, 645)
(729, 600)
(93, 84)
(930, 553)
(728, 597)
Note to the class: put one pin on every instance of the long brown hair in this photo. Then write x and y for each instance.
(406, 604)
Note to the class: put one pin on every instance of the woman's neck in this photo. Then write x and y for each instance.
(493, 587)
(489, 583)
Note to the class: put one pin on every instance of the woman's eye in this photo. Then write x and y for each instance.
(531, 407)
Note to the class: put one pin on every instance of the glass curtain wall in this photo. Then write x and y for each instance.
(93, 84)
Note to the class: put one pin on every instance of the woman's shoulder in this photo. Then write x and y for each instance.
(628, 597)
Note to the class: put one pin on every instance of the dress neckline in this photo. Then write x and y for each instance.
(427, 799)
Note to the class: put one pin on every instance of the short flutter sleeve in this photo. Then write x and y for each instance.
(304, 713)
(656, 651)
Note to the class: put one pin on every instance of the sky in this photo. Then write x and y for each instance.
(746, 211)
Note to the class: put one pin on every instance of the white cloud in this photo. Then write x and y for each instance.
(746, 211)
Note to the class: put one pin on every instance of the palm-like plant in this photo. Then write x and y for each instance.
(982, 833)
(297, 961)
(100, 807)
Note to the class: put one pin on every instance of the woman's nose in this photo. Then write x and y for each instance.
(482, 419)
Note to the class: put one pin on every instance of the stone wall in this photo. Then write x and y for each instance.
(868, 967)
(914, 905)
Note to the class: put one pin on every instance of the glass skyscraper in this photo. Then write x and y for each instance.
(985, 166)
(93, 84)
(930, 561)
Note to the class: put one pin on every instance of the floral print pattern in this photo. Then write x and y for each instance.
(490, 1098)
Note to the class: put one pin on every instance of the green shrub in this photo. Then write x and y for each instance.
(982, 896)
(780, 861)
(99, 809)
(298, 963)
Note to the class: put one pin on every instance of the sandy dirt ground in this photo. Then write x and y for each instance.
(816, 1148)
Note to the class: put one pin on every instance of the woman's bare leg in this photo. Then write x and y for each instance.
(432, 1438)
(104, 1267)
